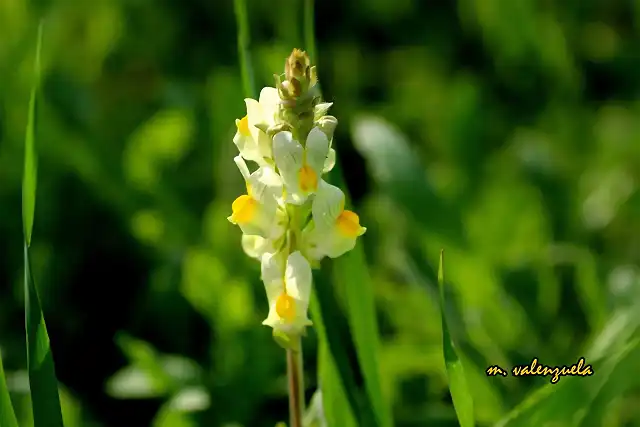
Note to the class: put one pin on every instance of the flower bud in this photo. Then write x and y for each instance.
(297, 66)
(327, 124)
(321, 109)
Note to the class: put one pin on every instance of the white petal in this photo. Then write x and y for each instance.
(327, 206)
(265, 185)
(264, 145)
(289, 157)
(336, 245)
(255, 115)
(247, 147)
(330, 162)
(242, 166)
(311, 243)
(256, 246)
(298, 278)
(317, 150)
(321, 109)
(328, 125)
(331, 243)
(269, 100)
(272, 269)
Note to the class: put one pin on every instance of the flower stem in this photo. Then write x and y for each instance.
(309, 31)
(242, 22)
(296, 385)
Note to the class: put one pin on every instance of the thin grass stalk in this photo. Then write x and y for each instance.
(295, 378)
(310, 31)
(242, 22)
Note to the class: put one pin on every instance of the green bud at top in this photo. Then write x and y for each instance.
(298, 66)
(299, 94)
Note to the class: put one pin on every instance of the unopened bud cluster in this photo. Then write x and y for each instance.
(290, 217)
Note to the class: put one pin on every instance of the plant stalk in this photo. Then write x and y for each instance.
(296, 385)
(242, 21)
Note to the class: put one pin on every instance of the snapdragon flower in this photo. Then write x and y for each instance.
(291, 218)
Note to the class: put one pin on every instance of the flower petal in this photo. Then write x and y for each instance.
(298, 279)
(321, 109)
(255, 116)
(330, 162)
(263, 117)
(336, 244)
(247, 146)
(310, 243)
(256, 246)
(327, 206)
(265, 185)
(242, 166)
(269, 100)
(272, 270)
(317, 150)
(289, 157)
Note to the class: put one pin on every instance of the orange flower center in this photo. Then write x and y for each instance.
(308, 179)
(349, 224)
(286, 307)
(243, 126)
(243, 209)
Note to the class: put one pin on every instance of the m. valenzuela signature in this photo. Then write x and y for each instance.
(579, 369)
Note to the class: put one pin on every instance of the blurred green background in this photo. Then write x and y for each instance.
(521, 117)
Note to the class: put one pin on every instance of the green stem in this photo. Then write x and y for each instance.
(242, 22)
(309, 31)
(296, 385)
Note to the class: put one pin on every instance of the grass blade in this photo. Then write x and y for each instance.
(30, 172)
(341, 376)
(460, 393)
(242, 21)
(614, 353)
(7, 416)
(310, 31)
(42, 378)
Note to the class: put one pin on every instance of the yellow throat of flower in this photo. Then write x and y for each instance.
(308, 179)
(243, 126)
(243, 209)
(286, 307)
(348, 224)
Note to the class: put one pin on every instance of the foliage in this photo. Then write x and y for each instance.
(504, 132)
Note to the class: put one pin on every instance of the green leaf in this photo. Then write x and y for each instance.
(398, 172)
(460, 393)
(7, 416)
(30, 172)
(42, 377)
(341, 380)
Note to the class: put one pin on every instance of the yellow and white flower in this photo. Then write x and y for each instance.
(327, 124)
(334, 230)
(258, 212)
(251, 137)
(288, 286)
(256, 246)
(301, 167)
